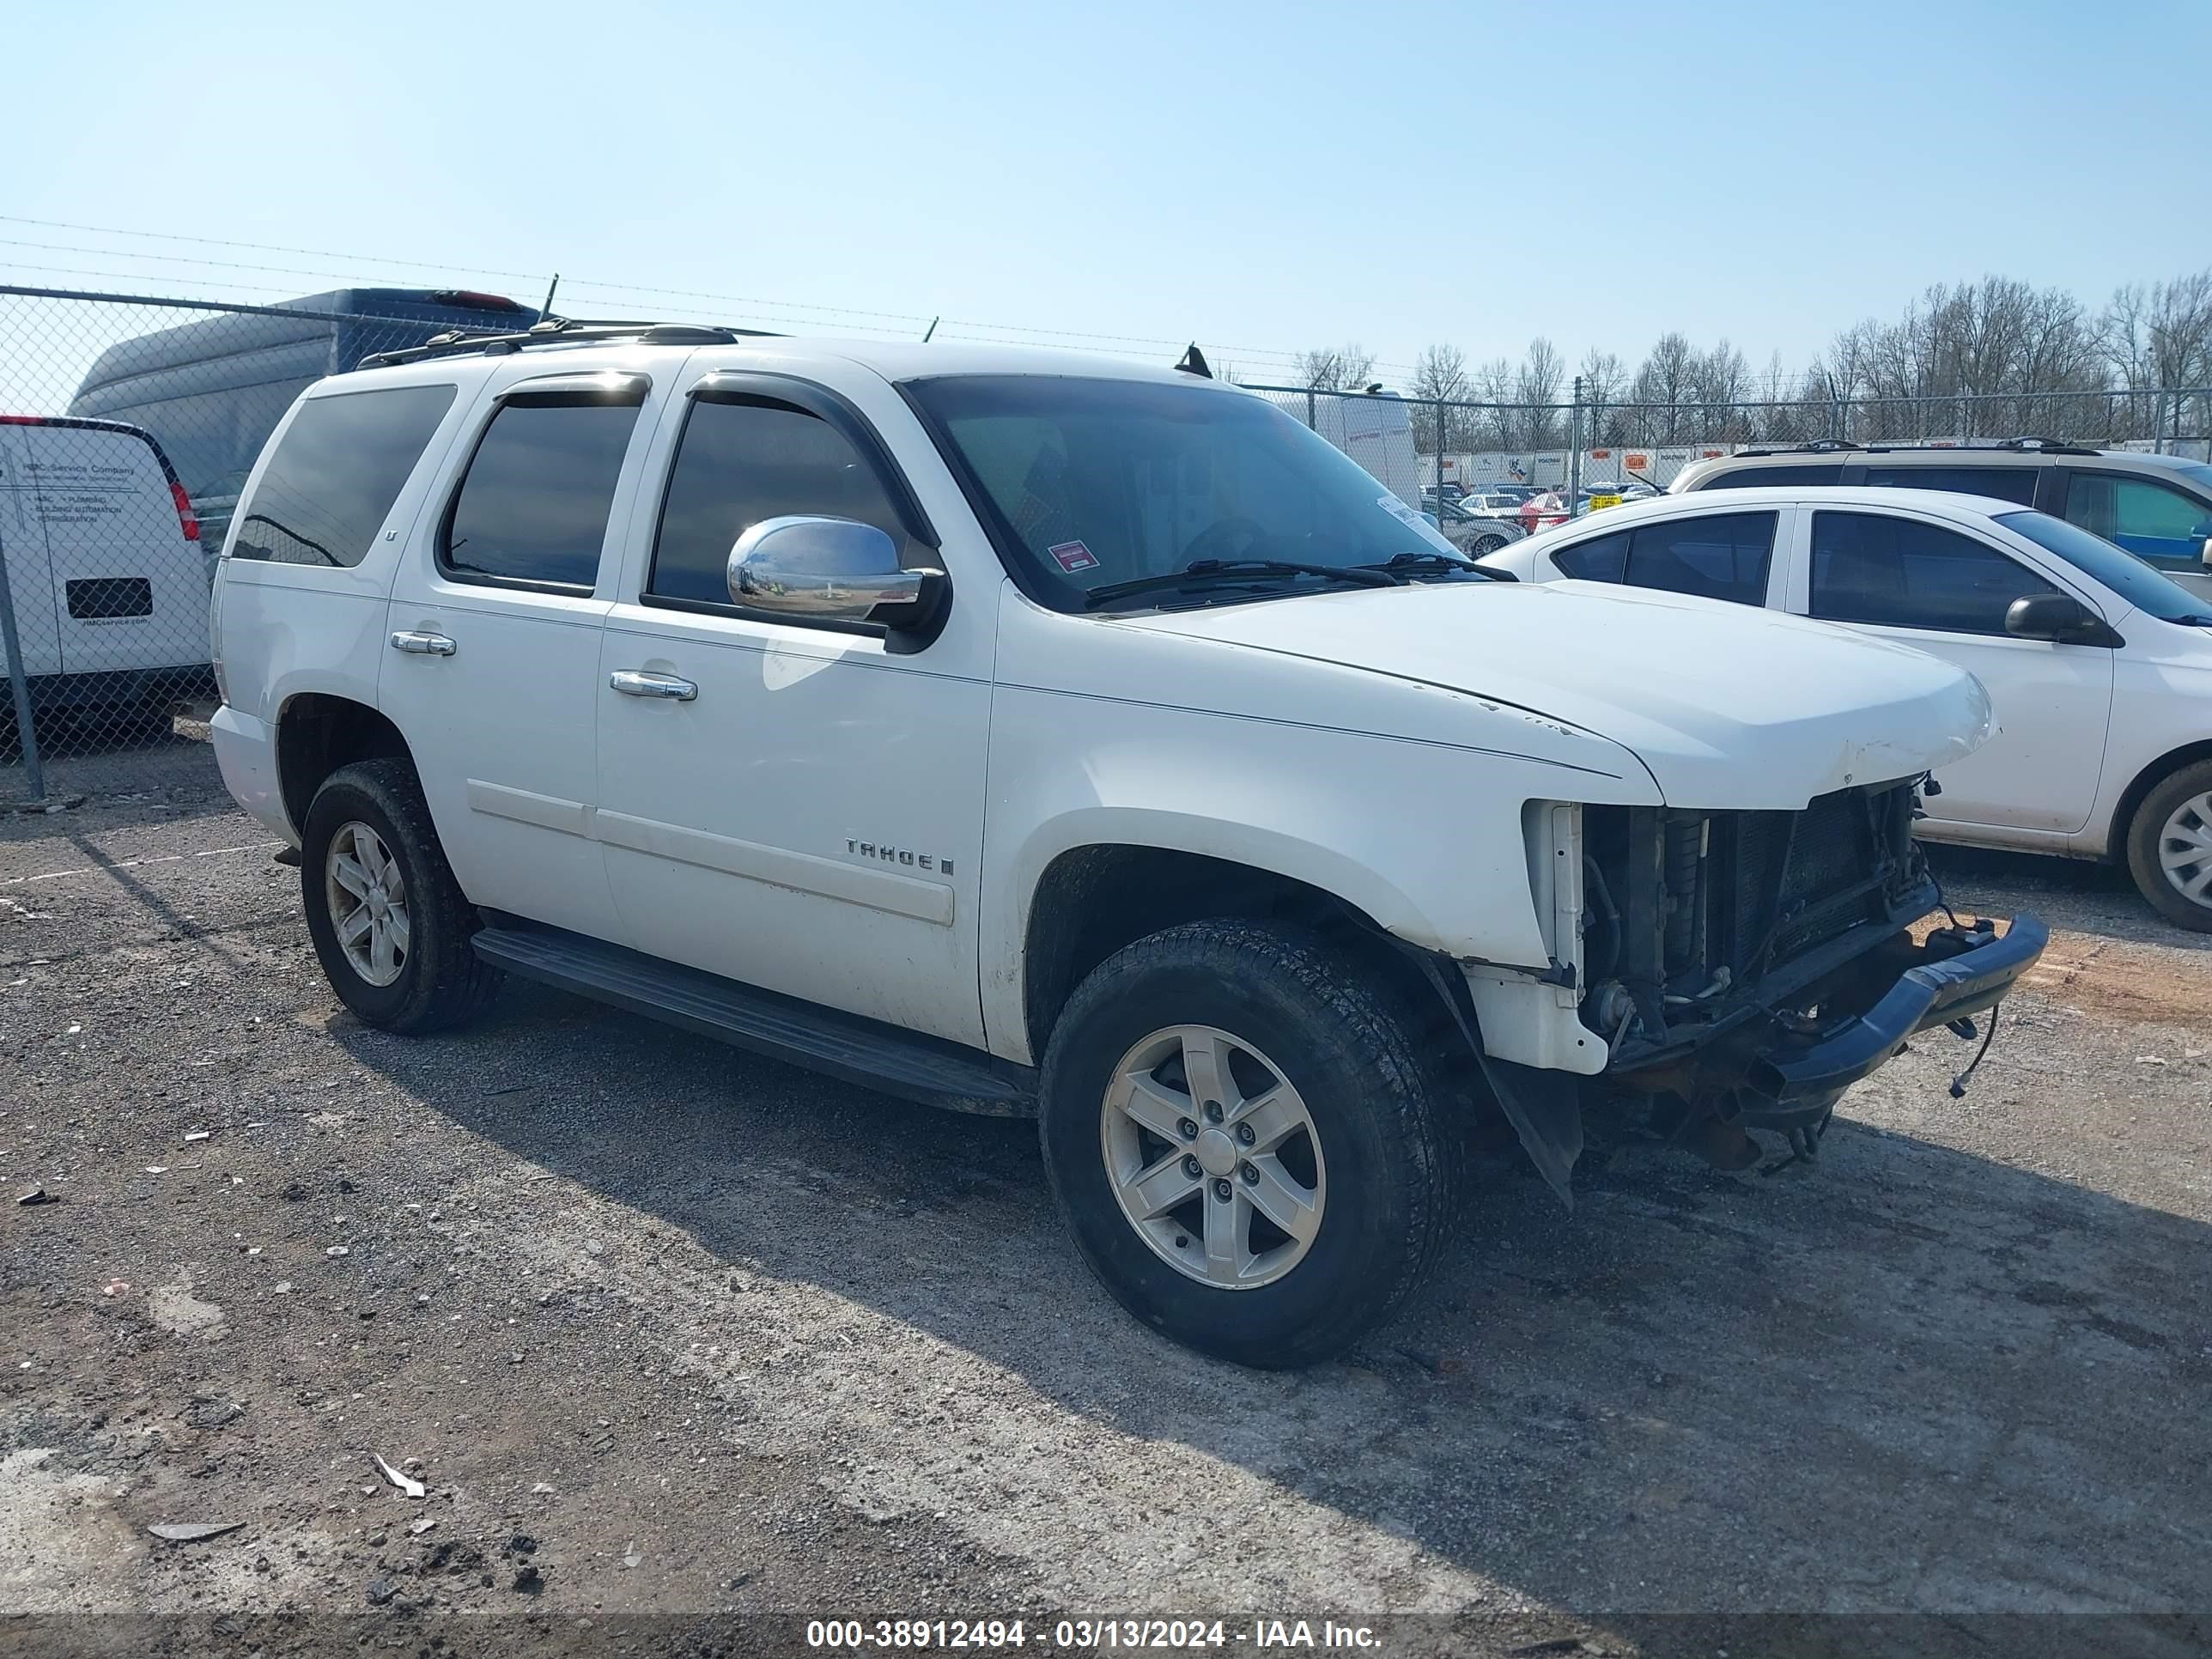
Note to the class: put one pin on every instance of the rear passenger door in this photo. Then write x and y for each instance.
(491, 668)
(1711, 555)
(1937, 589)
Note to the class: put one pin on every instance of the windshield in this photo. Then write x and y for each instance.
(2117, 568)
(1096, 482)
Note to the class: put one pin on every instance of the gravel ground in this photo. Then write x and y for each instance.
(669, 1333)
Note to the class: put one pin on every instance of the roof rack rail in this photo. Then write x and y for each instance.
(560, 331)
(1817, 446)
(2050, 445)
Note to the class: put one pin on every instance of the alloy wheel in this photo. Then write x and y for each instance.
(368, 897)
(1212, 1157)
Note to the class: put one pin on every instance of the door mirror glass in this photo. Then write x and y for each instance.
(2055, 616)
(819, 569)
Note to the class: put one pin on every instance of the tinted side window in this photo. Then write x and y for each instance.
(1874, 569)
(2149, 520)
(1602, 559)
(534, 503)
(2009, 483)
(1753, 478)
(739, 463)
(1722, 555)
(340, 466)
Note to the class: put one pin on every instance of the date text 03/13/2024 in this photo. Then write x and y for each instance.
(1097, 1635)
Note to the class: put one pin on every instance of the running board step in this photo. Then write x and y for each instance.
(839, 1045)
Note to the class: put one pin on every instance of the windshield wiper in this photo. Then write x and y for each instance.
(1428, 561)
(1206, 569)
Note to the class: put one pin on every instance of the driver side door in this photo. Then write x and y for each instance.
(795, 805)
(1937, 589)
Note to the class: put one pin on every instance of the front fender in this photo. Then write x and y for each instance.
(1425, 839)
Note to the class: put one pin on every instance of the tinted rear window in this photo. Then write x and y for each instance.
(1604, 559)
(335, 473)
(1717, 555)
(534, 505)
(2007, 483)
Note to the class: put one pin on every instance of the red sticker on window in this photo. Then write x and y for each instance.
(1073, 556)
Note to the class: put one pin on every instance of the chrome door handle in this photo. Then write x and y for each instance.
(636, 682)
(422, 645)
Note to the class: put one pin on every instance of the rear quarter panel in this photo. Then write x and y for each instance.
(292, 628)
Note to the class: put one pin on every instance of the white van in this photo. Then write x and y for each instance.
(105, 565)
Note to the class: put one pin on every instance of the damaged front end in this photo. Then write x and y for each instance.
(1744, 969)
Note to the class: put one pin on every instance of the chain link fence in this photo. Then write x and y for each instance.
(1414, 444)
(127, 424)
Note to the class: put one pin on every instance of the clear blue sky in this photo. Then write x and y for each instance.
(1264, 177)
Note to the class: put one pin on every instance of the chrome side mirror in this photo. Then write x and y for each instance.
(821, 570)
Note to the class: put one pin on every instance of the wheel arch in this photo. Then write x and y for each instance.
(1093, 899)
(2149, 778)
(318, 732)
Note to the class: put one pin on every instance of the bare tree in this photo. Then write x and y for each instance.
(1439, 377)
(1536, 389)
(1663, 384)
(1604, 381)
(2157, 336)
(1335, 368)
(1493, 388)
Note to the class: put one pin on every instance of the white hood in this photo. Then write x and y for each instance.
(1728, 706)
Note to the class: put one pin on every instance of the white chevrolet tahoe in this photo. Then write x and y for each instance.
(1029, 734)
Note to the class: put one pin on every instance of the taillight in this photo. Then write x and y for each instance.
(215, 638)
(186, 516)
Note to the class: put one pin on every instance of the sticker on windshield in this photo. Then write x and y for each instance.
(1072, 556)
(1406, 515)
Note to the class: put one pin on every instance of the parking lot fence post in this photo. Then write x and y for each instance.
(1575, 448)
(34, 778)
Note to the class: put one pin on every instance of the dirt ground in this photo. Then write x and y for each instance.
(682, 1343)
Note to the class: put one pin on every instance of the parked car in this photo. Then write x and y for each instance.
(1494, 503)
(1025, 733)
(1473, 531)
(2100, 669)
(105, 567)
(212, 391)
(2157, 507)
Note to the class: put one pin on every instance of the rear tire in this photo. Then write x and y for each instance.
(396, 952)
(2170, 847)
(1353, 1150)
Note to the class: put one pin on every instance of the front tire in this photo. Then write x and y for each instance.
(389, 924)
(2170, 847)
(1324, 1168)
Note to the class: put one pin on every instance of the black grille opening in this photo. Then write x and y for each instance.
(1743, 894)
(93, 597)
